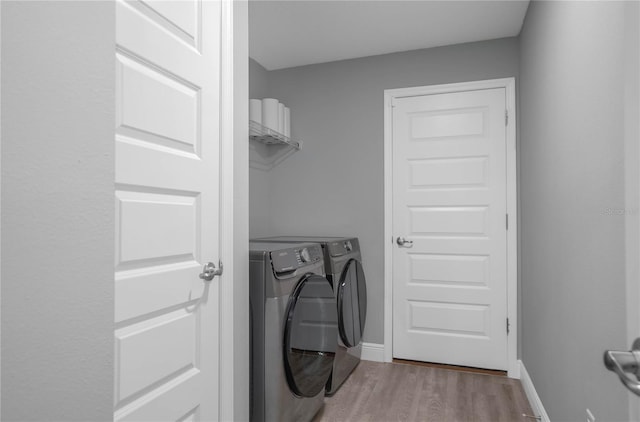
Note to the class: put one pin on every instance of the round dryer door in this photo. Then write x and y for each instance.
(310, 335)
(352, 303)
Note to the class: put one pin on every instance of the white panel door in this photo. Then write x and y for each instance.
(449, 203)
(167, 209)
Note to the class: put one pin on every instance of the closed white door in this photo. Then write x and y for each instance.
(449, 206)
(167, 201)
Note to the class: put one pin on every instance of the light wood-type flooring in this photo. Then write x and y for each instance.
(388, 392)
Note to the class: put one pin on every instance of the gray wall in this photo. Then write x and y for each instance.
(258, 80)
(334, 185)
(58, 87)
(572, 184)
(259, 186)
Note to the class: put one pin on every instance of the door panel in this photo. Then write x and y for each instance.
(449, 270)
(433, 125)
(449, 172)
(173, 339)
(451, 221)
(146, 219)
(452, 318)
(150, 92)
(167, 209)
(449, 199)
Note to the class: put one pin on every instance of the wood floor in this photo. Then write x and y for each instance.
(388, 392)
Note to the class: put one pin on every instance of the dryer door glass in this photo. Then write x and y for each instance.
(352, 303)
(310, 335)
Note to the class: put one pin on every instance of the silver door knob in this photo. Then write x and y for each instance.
(404, 243)
(209, 271)
(626, 365)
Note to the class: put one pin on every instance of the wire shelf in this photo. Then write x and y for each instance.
(263, 134)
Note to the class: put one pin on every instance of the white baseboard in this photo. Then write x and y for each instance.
(532, 394)
(373, 352)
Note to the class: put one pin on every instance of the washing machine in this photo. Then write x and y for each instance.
(294, 329)
(343, 266)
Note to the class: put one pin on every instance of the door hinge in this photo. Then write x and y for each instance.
(506, 117)
(507, 221)
(508, 326)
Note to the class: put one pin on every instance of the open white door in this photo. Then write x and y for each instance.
(167, 209)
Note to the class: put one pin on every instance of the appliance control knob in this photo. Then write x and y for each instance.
(347, 246)
(305, 256)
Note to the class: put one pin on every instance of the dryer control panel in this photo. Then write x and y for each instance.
(343, 246)
(290, 259)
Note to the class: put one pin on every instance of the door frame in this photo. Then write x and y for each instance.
(512, 206)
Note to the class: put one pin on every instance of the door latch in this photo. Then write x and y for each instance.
(626, 365)
(404, 243)
(209, 271)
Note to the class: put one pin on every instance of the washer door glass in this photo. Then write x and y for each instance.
(352, 303)
(310, 335)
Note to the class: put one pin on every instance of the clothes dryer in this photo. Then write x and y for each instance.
(293, 331)
(343, 266)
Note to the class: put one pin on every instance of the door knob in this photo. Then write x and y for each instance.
(209, 271)
(626, 365)
(404, 243)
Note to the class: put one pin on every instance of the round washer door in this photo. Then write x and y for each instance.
(352, 303)
(310, 335)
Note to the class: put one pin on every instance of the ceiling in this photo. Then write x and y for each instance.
(293, 33)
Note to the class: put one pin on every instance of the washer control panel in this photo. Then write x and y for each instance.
(304, 256)
(309, 254)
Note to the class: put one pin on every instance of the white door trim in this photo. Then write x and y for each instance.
(233, 380)
(512, 233)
